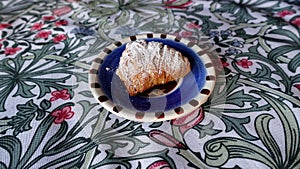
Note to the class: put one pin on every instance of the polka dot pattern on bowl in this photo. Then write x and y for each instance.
(190, 94)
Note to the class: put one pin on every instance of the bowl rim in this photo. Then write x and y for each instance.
(183, 110)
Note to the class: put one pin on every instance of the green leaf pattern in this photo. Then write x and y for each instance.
(49, 118)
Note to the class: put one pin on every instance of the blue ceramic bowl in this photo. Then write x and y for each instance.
(189, 93)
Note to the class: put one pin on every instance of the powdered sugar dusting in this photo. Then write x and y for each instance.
(142, 58)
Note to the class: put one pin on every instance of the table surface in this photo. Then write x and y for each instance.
(49, 118)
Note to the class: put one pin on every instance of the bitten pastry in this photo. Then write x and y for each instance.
(144, 65)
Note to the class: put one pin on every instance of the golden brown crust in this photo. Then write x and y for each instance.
(141, 70)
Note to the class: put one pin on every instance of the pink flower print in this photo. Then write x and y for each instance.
(48, 18)
(161, 164)
(165, 139)
(189, 121)
(245, 63)
(193, 26)
(62, 10)
(11, 50)
(61, 94)
(4, 25)
(186, 34)
(59, 38)
(1, 43)
(284, 13)
(182, 6)
(61, 23)
(297, 86)
(36, 26)
(43, 34)
(296, 22)
(62, 114)
(224, 63)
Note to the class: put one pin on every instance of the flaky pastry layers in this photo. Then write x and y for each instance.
(144, 65)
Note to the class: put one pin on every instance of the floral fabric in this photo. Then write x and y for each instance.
(49, 118)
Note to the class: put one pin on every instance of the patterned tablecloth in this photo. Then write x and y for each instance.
(49, 118)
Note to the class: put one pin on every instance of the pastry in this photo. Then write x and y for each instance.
(144, 65)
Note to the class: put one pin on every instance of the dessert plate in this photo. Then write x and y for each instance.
(186, 95)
